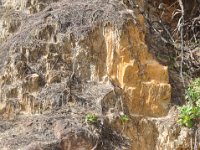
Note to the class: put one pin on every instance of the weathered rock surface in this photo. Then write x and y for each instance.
(63, 59)
(108, 52)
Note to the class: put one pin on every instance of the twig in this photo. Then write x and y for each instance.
(182, 40)
(195, 139)
(95, 146)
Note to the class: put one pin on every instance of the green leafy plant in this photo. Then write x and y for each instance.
(91, 118)
(193, 91)
(124, 118)
(190, 112)
(188, 115)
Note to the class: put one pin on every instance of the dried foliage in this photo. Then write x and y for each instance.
(182, 32)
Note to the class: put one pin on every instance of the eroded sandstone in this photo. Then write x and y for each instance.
(61, 60)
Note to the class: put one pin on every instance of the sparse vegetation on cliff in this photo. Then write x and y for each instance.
(99, 75)
(190, 112)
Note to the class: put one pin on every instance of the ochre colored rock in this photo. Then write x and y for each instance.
(131, 66)
(61, 60)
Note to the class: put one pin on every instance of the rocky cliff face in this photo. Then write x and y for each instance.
(62, 59)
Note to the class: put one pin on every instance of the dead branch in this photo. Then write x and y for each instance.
(182, 40)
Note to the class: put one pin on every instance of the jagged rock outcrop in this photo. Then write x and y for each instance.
(63, 59)
(49, 56)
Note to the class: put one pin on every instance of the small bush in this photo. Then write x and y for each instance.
(190, 112)
(193, 91)
(188, 115)
(91, 118)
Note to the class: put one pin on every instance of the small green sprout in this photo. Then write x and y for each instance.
(91, 118)
(124, 118)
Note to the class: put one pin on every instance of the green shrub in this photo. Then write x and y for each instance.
(188, 115)
(190, 112)
(193, 91)
(91, 118)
